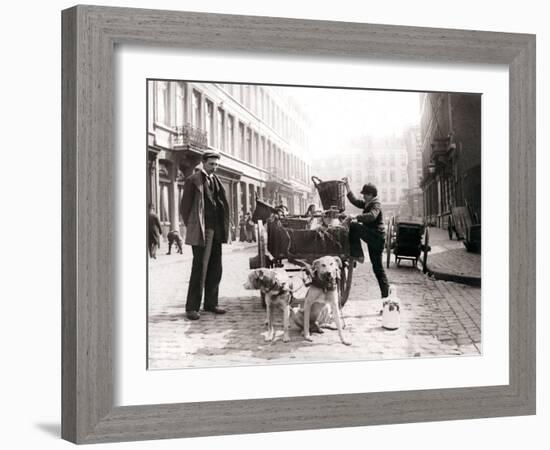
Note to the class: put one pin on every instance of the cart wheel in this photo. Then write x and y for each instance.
(426, 249)
(346, 277)
(388, 244)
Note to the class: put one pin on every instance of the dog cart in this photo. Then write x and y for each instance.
(293, 242)
(407, 239)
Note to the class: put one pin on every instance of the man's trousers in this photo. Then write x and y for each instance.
(375, 243)
(206, 274)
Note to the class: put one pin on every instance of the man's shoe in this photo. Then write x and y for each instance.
(193, 315)
(215, 310)
(358, 259)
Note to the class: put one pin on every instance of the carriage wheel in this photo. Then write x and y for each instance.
(425, 250)
(388, 244)
(345, 280)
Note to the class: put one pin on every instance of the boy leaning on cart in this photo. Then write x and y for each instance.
(368, 227)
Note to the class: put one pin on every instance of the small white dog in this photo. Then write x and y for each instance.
(324, 289)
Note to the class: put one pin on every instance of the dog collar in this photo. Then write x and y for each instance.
(270, 289)
(324, 285)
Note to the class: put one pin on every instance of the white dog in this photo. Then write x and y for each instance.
(324, 289)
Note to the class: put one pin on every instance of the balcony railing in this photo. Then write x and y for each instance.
(188, 135)
(440, 146)
(275, 174)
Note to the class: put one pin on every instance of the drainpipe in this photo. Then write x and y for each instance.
(450, 113)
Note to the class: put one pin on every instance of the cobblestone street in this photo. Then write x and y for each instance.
(438, 318)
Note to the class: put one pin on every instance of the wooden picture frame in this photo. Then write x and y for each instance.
(90, 34)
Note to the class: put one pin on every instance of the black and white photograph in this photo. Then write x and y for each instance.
(294, 224)
(257, 225)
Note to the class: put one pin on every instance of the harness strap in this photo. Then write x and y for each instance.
(323, 285)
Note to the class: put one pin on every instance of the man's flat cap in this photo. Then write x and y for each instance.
(369, 188)
(210, 154)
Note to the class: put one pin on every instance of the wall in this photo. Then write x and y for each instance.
(30, 331)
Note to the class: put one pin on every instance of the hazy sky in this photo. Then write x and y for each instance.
(339, 115)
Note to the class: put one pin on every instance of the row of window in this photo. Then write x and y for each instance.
(225, 132)
(259, 101)
(382, 177)
(371, 161)
(390, 195)
(435, 117)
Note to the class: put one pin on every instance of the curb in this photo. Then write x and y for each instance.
(463, 279)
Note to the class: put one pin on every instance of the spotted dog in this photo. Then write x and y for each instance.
(324, 290)
(277, 287)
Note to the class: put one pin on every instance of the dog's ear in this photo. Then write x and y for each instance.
(308, 269)
(315, 266)
(339, 261)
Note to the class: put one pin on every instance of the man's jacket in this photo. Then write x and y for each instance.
(372, 217)
(192, 208)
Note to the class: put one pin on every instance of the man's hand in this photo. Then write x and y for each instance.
(346, 181)
(349, 219)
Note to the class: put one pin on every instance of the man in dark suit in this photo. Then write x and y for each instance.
(155, 230)
(369, 227)
(205, 213)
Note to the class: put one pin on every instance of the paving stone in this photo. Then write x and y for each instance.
(450, 257)
(437, 319)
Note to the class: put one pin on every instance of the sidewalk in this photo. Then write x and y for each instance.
(448, 260)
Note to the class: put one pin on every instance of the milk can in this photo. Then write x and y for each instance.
(391, 318)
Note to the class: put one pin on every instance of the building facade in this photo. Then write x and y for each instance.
(381, 161)
(451, 155)
(260, 133)
(414, 198)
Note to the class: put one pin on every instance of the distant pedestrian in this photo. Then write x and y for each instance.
(242, 229)
(233, 233)
(155, 230)
(250, 231)
(369, 227)
(205, 212)
(282, 210)
(311, 209)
